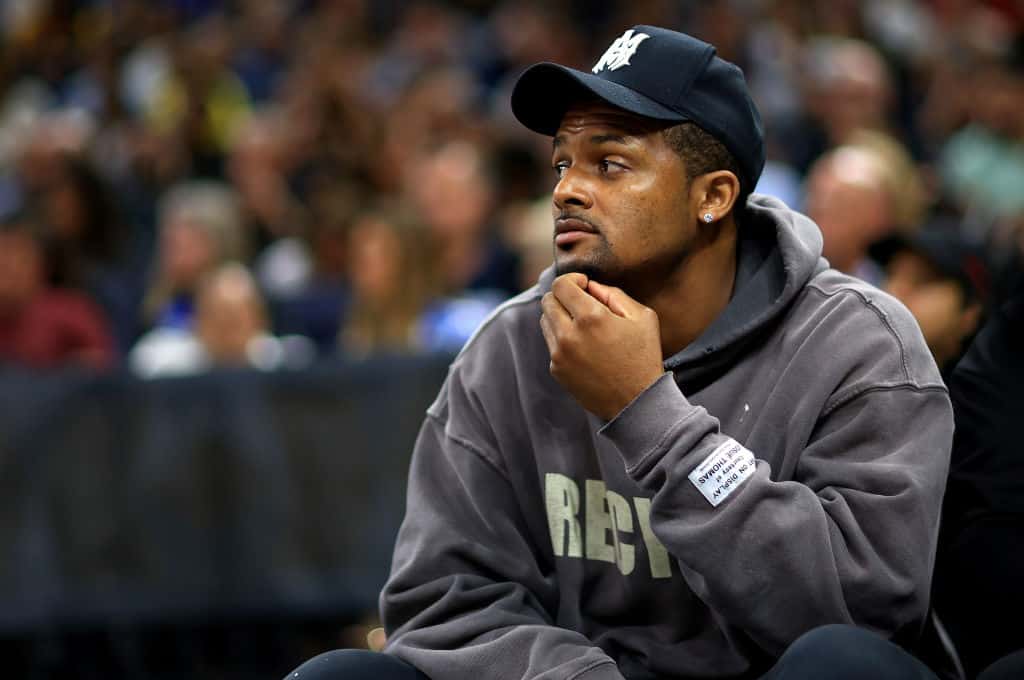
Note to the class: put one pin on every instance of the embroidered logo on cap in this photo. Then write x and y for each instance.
(621, 50)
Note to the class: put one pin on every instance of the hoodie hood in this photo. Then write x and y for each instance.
(779, 250)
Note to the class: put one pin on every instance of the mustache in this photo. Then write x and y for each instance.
(571, 216)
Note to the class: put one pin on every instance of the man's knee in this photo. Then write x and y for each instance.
(354, 664)
(846, 653)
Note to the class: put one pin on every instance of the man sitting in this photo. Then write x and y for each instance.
(692, 445)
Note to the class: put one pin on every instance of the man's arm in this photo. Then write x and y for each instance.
(467, 597)
(850, 540)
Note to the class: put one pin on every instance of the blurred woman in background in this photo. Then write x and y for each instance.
(200, 229)
(392, 276)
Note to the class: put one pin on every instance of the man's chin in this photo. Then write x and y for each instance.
(576, 266)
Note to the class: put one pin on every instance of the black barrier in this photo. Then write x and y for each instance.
(222, 495)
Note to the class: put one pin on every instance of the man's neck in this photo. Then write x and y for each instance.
(697, 292)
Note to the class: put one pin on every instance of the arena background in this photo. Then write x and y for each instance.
(242, 240)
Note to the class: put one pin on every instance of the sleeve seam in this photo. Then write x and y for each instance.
(660, 444)
(880, 313)
(845, 399)
(469, 446)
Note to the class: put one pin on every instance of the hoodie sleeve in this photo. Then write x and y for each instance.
(467, 597)
(850, 539)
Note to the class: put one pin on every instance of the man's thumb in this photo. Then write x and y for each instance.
(611, 297)
(578, 278)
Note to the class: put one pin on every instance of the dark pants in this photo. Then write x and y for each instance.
(836, 652)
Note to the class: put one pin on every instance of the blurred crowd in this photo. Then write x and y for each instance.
(195, 183)
(188, 184)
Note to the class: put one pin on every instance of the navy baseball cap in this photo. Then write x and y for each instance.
(655, 73)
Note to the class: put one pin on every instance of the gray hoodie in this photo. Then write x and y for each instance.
(784, 473)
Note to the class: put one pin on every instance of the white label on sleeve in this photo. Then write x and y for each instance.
(723, 471)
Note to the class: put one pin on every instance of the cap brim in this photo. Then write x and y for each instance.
(544, 92)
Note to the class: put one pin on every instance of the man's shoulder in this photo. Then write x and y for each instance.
(502, 364)
(867, 327)
(513, 322)
(507, 345)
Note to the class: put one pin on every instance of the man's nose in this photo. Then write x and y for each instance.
(572, 190)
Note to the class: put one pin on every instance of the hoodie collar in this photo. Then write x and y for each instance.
(779, 250)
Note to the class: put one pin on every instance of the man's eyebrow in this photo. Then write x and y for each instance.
(610, 138)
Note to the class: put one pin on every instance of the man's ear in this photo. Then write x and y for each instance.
(715, 193)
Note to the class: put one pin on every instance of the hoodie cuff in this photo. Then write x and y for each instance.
(647, 424)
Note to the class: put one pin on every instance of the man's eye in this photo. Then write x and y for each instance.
(607, 166)
(560, 168)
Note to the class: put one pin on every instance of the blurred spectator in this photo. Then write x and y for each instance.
(230, 330)
(42, 326)
(199, 100)
(983, 163)
(530, 230)
(157, 142)
(393, 278)
(200, 228)
(256, 167)
(452, 191)
(398, 297)
(847, 198)
(261, 59)
(274, 219)
(433, 110)
(944, 281)
(88, 242)
(908, 196)
(851, 87)
(317, 306)
(848, 88)
(82, 219)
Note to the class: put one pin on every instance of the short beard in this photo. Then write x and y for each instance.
(601, 266)
(638, 284)
(588, 269)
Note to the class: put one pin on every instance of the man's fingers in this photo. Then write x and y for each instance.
(549, 335)
(613, 298)
(577, 278)
(571, 292)
(557, 316)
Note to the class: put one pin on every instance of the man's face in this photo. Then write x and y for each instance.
(621, 206)
(936, 301)
(848, 204)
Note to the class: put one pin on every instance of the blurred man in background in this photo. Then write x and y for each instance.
(41, 326)
(847, 199)
(943, 279)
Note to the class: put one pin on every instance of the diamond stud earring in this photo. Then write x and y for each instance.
(709, 218)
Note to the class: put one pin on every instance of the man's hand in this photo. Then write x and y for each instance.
(605, 346)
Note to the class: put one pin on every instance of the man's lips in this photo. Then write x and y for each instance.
(570, 229)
